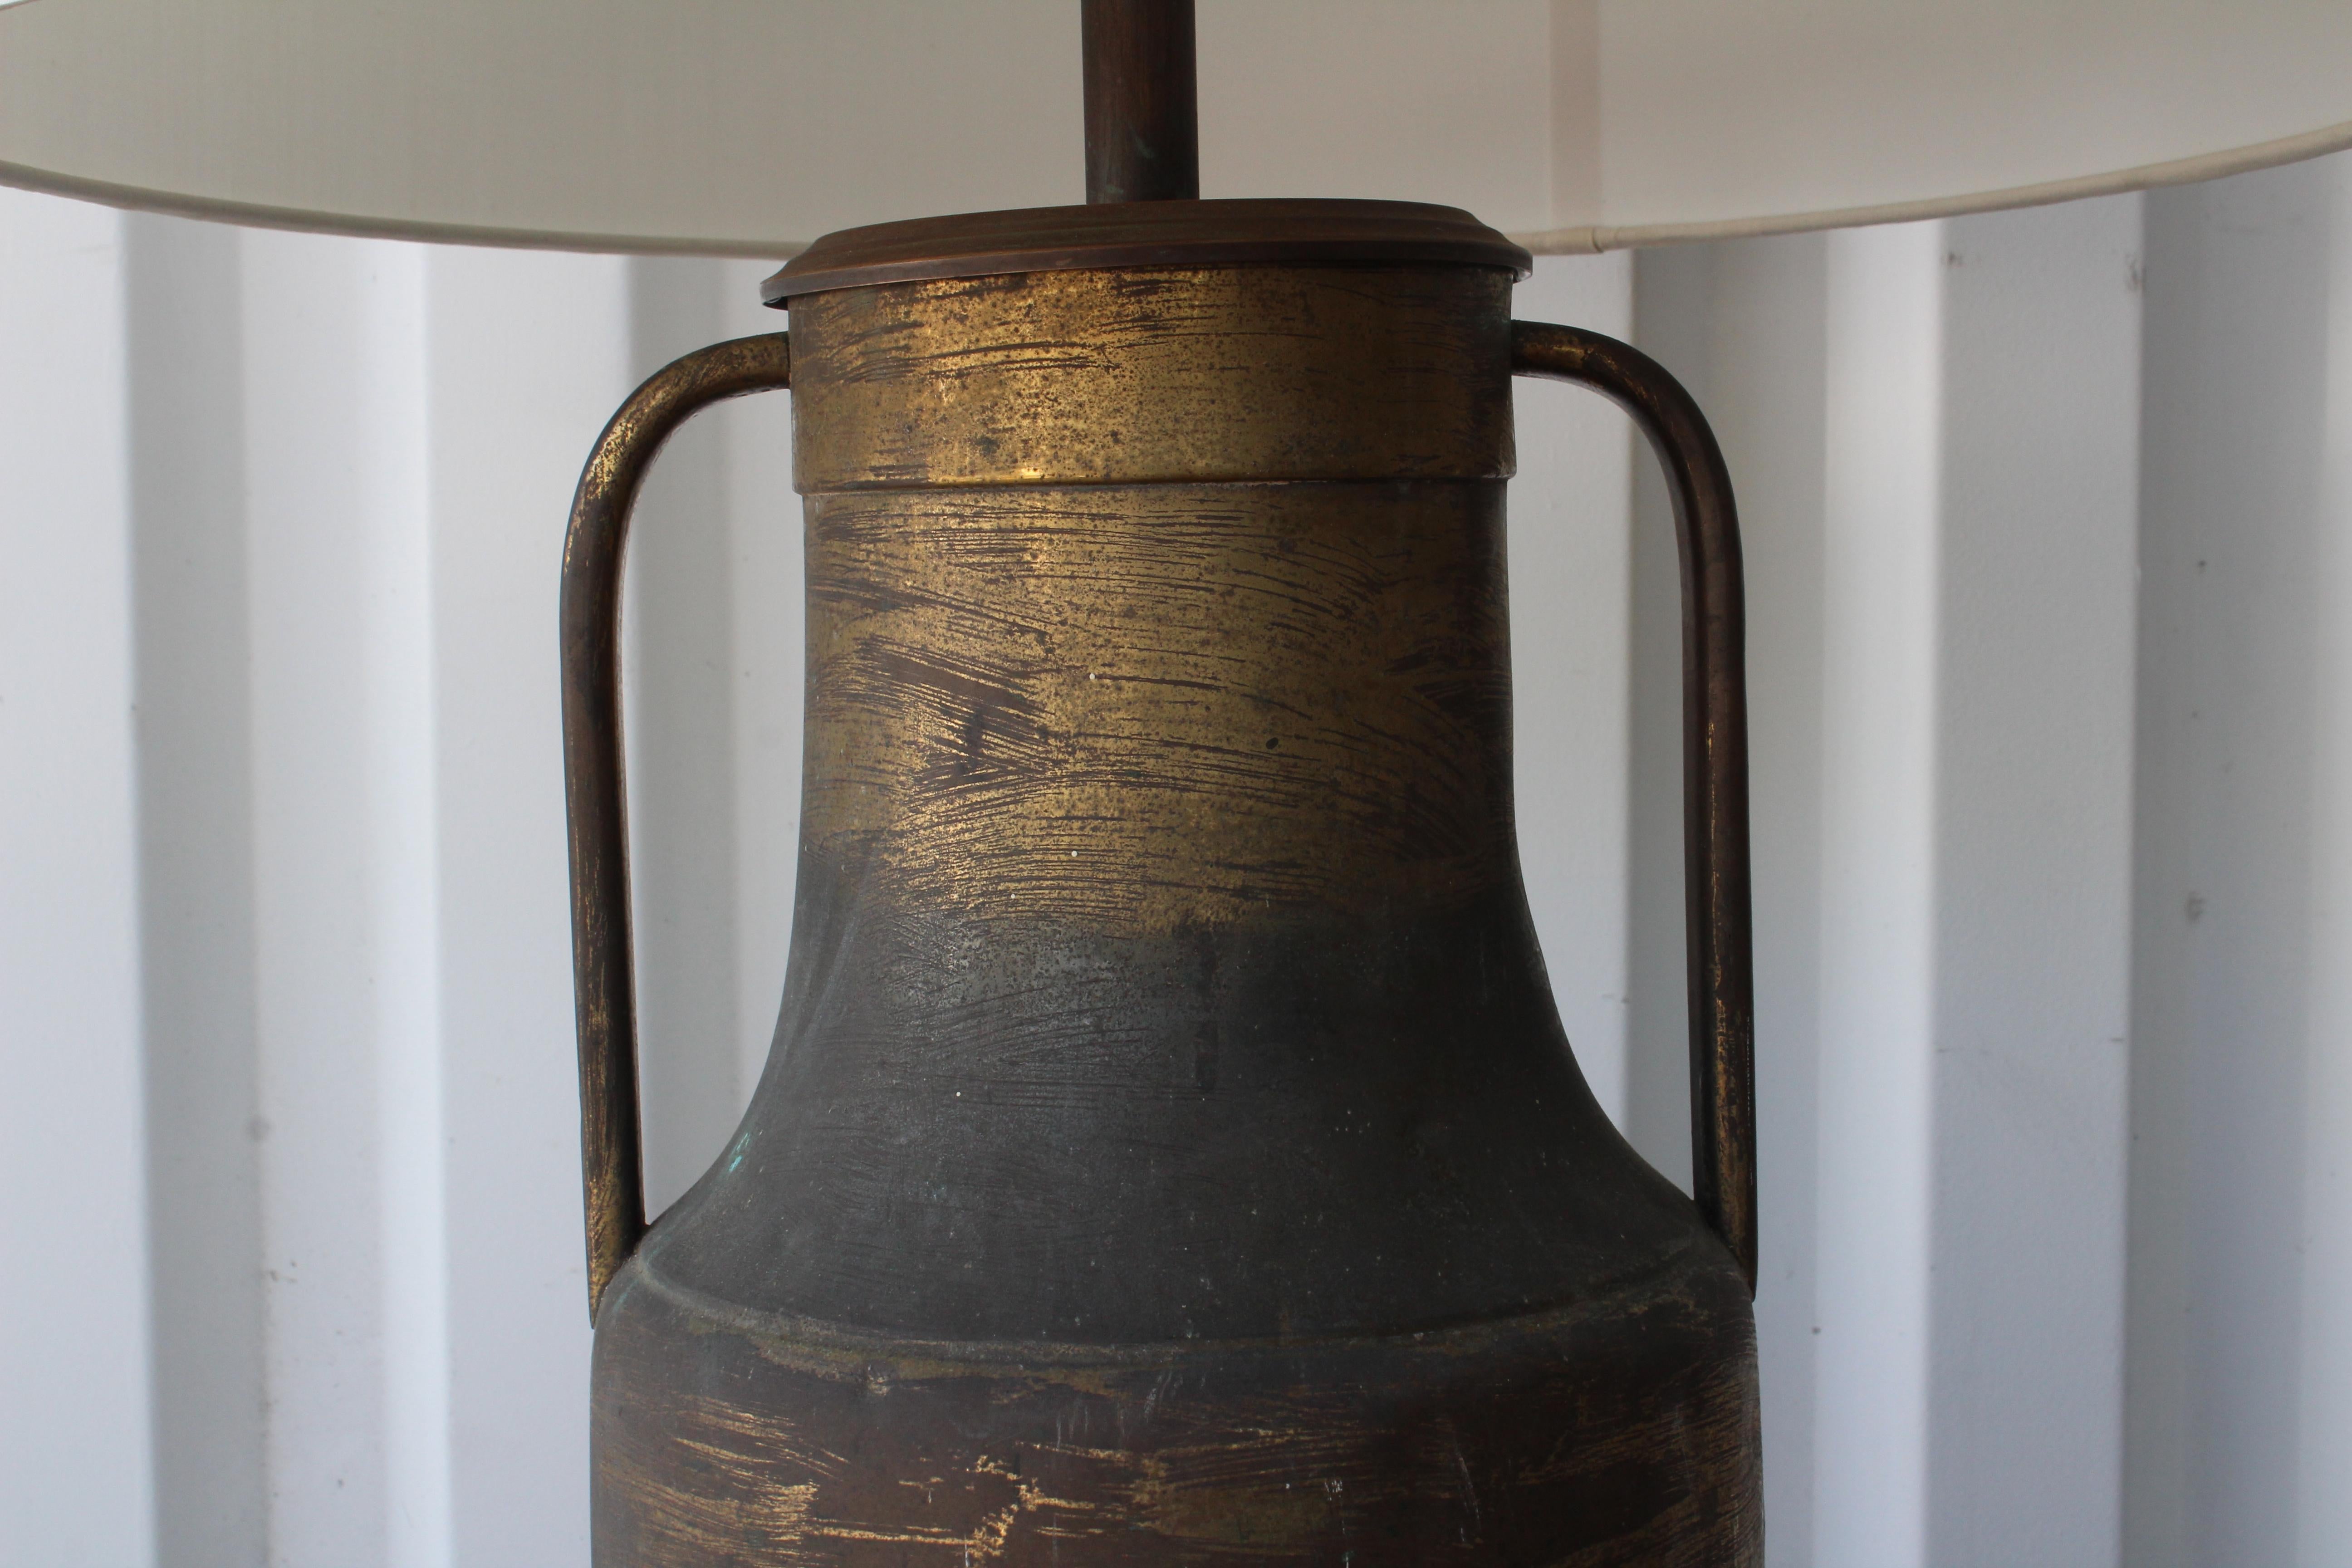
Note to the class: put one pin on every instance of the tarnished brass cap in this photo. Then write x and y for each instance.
(1188, 234)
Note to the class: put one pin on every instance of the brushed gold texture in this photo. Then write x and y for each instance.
(1141, 709)
(1255, 374)
(1621, 1430)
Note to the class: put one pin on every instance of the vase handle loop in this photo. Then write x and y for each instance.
(612, 1156)
(1715, 918)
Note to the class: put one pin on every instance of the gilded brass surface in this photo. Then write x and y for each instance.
(1169, 1152)
(1141, 709)
(1243, 373)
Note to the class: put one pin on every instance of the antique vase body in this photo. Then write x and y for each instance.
(1169, 1151)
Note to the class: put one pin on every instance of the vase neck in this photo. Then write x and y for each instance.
(1140, 709)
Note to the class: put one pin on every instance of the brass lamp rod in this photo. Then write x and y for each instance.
(1143, 120)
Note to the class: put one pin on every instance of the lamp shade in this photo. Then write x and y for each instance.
(750, 127)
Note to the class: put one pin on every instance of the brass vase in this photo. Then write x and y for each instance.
(1169, 1151)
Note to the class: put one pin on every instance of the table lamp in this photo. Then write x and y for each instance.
(1169, 1151)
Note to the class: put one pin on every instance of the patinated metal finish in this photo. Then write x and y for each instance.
(1721, 980)
(1557, 1438)
(1128, 376)
(604, 981)
(1327, 231)
(1169, 1151)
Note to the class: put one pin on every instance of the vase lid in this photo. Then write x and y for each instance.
(1299, 230)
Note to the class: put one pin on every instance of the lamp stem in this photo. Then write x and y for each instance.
(1144, 122)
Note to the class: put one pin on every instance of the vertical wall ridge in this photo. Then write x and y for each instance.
(77, 1480)
(2237, 1336)
(1883, 520)
(2032, 887)
(393, 518)
(2323, 1500)
(194, 730)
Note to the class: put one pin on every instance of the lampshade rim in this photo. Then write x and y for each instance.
(1576, 241)
(426, 231)
(1594, 238)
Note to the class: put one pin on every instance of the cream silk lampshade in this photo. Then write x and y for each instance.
(750, 127)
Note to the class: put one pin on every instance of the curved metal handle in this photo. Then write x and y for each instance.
(1716, 913)
(603, 984)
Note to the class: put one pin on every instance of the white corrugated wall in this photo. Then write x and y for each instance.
(2048, 526)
